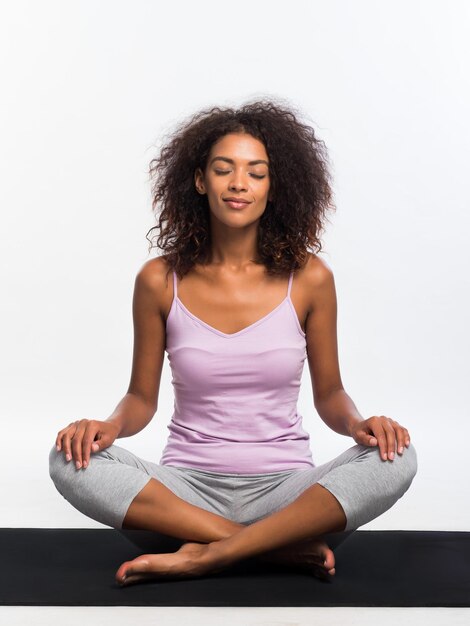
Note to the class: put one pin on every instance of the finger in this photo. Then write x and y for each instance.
(77, 443)
(66, 442)
(381, 437)
(88, 438)
(58, 441)
(365, 436)
(391, 438)
(60, 435)
(407, 437)
(365, 433)
(400, 437)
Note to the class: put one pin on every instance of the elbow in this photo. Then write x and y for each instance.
(321, 400)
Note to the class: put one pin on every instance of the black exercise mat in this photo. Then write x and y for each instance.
(76, 567)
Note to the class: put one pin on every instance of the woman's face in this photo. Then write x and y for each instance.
(237, 167)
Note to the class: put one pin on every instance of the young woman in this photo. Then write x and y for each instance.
(239, 302)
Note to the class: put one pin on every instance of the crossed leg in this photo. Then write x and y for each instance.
(291, 536)
(363, 486)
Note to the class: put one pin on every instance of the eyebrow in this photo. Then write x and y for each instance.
(222, 158)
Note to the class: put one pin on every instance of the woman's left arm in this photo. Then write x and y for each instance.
(331, 401)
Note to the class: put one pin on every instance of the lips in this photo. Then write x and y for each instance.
(236, 203)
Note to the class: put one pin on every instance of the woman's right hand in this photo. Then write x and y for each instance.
(77, 440)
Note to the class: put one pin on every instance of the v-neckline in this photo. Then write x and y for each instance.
(239, 332)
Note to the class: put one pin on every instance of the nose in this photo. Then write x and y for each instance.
(237, 181)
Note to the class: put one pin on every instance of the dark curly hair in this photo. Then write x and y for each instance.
(299, 177)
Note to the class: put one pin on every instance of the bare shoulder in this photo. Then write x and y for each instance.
(152, 280)
(317, 280)
(317, 269)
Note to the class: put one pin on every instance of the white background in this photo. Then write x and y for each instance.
(89, 88)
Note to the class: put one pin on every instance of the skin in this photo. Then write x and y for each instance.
(229, 294)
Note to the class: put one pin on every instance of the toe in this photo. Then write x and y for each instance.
(127, 569)
(121, 573)
(325, 560)
(328, 559)
(319, 572)
(128, 580)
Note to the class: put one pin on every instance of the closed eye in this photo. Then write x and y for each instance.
(222, 172)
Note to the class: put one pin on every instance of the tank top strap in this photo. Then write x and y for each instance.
(175, 286)
(289, 286)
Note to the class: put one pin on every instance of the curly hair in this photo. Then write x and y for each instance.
(299, 177)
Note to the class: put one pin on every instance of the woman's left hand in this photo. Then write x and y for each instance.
(384, 431)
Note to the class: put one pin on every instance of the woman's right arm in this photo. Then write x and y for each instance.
(138, 406)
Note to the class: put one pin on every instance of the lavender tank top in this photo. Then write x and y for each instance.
(235, 395)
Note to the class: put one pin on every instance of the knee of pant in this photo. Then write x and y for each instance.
(411, 458)
(407, 467)
(54, 462)
(58, 467)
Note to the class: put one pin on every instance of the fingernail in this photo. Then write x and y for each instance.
(391, 455)
(400, 449)
(85, 463)
(77, 464)
(385, 456)
(68, 457)
(57, 447)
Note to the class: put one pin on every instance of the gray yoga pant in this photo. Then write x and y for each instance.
(364, 484)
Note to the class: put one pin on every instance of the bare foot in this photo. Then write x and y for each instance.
(312, 555)
(189, 561)
(195, 559)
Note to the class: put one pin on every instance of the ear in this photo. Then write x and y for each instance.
(199, 181)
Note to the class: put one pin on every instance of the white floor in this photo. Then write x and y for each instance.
(239, 616)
